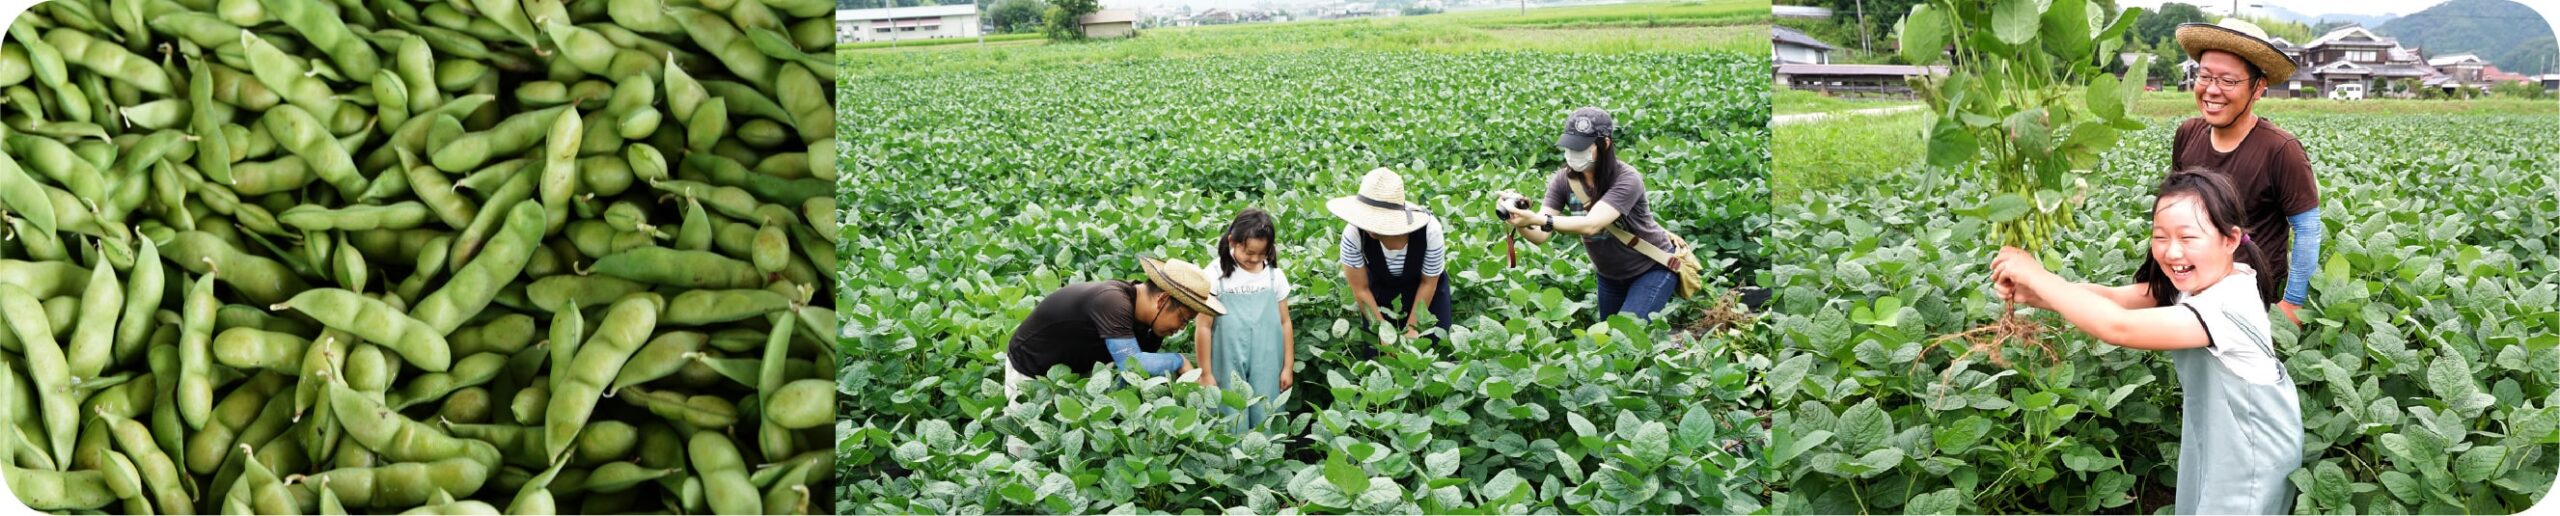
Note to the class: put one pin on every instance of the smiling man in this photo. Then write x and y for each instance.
(2264, 163)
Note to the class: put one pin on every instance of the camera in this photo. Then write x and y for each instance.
(1502, 209)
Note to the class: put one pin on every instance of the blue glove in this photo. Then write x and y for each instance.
(1124, 351)
(2305, 258)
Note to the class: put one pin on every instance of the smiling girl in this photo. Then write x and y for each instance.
(1253, 343)
(2197, 298)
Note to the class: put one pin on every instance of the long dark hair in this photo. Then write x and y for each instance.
(1250, 224)
(2222, 209)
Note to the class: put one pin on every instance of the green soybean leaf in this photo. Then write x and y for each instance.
(2479, 463)
(1924, 35)
(2015, 21)
(2006, 207)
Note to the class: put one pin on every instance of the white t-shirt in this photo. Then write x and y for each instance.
(1434, 260)
(1244, 281)
(2236, 321)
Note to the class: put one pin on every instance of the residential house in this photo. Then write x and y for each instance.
(1795, 47)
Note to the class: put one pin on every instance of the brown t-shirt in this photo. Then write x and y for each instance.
(2269, 171)
(1609, 257)
(1069, 326)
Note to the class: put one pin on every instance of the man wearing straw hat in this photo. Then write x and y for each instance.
(2266, 164)
(1393, 252)
(1111, 321)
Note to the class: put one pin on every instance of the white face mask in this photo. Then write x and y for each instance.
(1580, 161)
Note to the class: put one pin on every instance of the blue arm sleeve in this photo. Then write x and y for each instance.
(1124, 351)
(2305, 259)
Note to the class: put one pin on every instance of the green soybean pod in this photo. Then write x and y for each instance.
(397, 437)
(93, 340)
(349, 265)
(559, 179)
(142, 298)
(206, 447)
(285, 74)
(323, 360)
(706, 307)
(400, 215)
(695, 233)
(56, 160)
(402, 485)
(19, 194)
(710, 122)
(529, 403)
(416, 63)
(625, 326)
(677, 268)
(301, 133)
(260, 279)
(109, 60)
(159, 473)
(470, 371)
(437, 191)
(716, 460)
(772, 248)
(57, 405)
(535, 496)
(504, 335)
(85, 490)
(515, 134)
(420, 344)
(803, 404)
(326, 31)
(663, 356)
(195, 361)
(498, 208)
(477, 282)
(247, 348)
(568, 333)
(769, 382)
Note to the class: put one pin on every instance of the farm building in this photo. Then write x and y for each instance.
(1836, 79)
(1110, 23)
(1795, 47)
(906, 23)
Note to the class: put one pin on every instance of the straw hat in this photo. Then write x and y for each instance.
(1185, 282)
(2238, 37)
(1380, 207)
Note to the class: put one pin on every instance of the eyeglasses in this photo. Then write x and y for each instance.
(2226, 83)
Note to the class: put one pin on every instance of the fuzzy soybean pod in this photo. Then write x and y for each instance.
(397, 437)
(716, 459)
(285, 74)
(326, 32)
(301, 133)
(514, 135)
(159, 472)
(559, 179)
(498, 208)
(663, 356)
(362, 217)
(706, 307)
(582, 380)
(406, 484)
(535, 496)
(222, 430)
(19, 194)
(772, 249)
(93, 340)
(56, 403)
(802, 404)
(260, 279)
(344, 310)
(769, 382)
(568, 333)
(477, 282)
(43, 490)
(109, 60)
(55, 160)
(437, 191)
(249, 348)
(469, 372)
(677, 268)
(143, 290)
(195, 362)
(710, 123)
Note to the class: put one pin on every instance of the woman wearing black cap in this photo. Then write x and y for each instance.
(1602, 199)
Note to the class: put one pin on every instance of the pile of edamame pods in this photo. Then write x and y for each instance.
(434, 256)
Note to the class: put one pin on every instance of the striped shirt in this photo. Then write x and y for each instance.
(1433, 259)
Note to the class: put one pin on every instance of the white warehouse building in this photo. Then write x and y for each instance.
(906, 23)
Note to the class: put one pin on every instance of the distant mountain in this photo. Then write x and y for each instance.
(2505, 33)
(2368, 20)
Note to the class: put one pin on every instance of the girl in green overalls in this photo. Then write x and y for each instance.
(2198, 299)
(1253, 345)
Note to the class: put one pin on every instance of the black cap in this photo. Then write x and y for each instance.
(1584, 126)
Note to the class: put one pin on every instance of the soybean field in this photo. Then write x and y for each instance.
(975, 189)
(2428, 363)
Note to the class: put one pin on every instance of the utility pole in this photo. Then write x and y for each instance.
(1863, 43)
